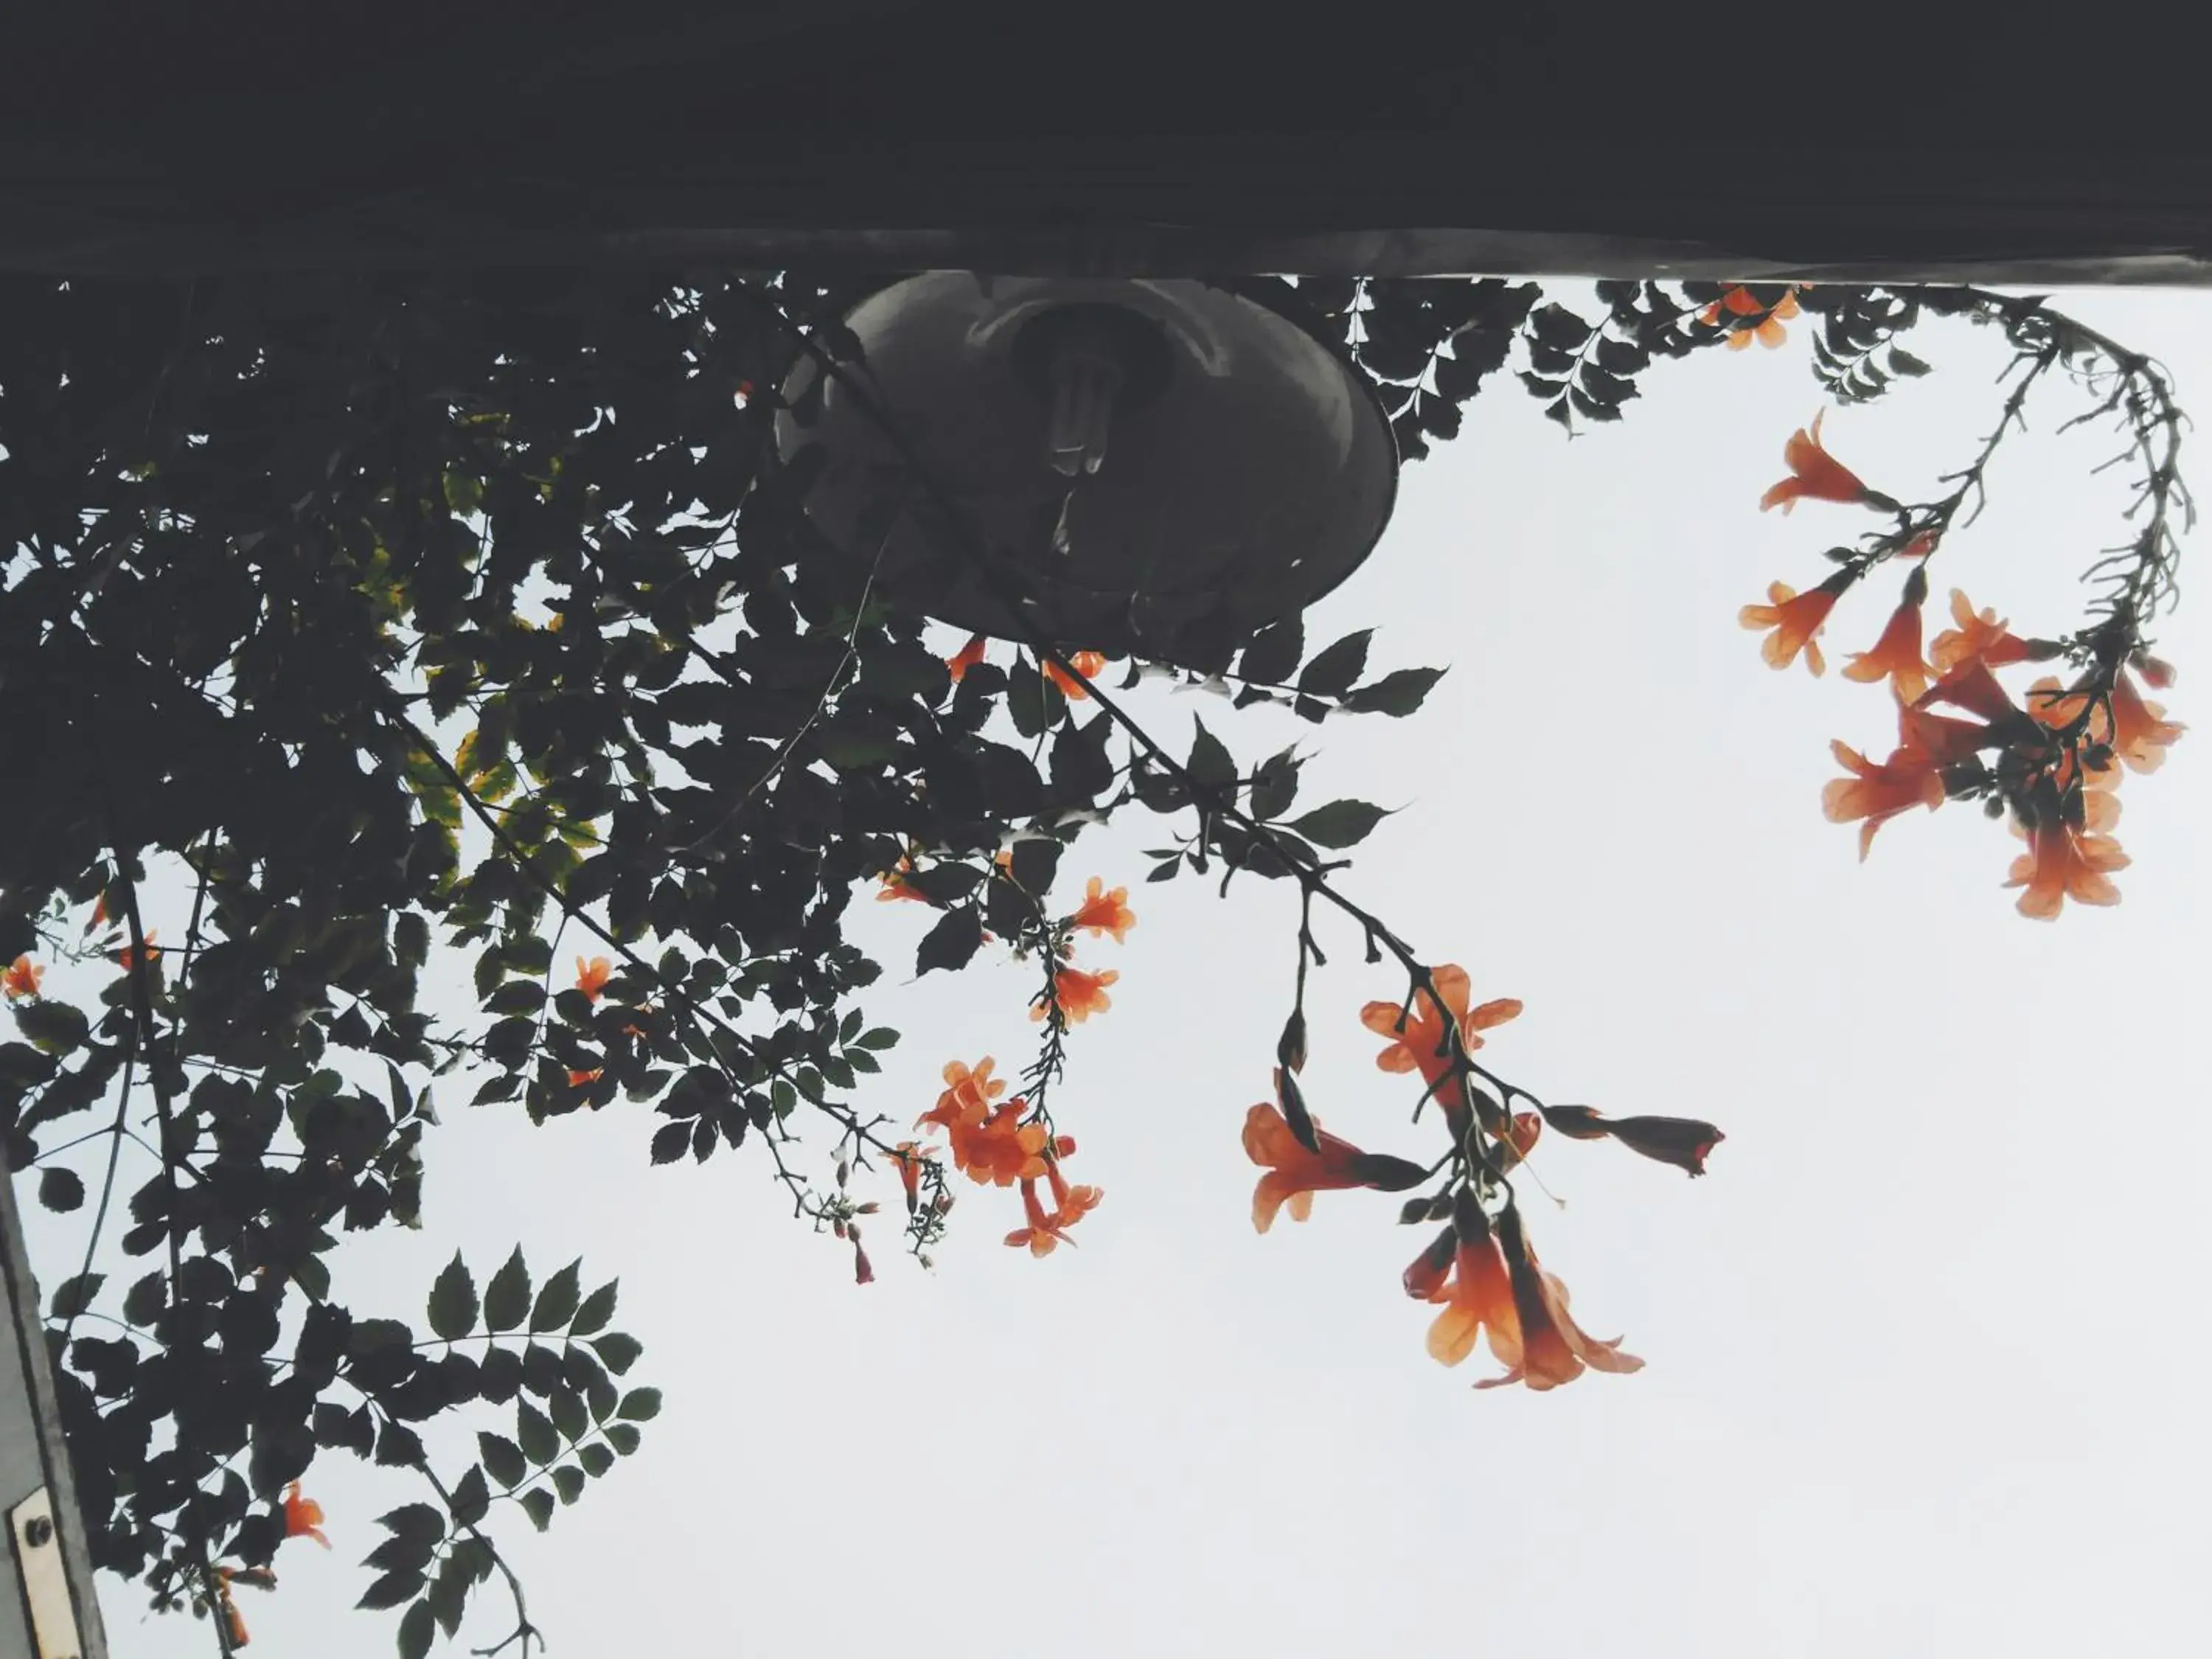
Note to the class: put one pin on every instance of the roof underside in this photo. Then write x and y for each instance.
(1868, 140)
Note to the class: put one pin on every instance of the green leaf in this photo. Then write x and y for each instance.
(1210, 765)
(416, 1625)
(671, 1140)
(596, 1459)
(1339, 824)
(1902, 361)
(617, 1352)
(452, 1310)
(61, 1189)
(54, 1028)
(1273, 652)
(417, 1523)
(598, 1308)
(471, 1497)
(568, 1481)
(449, 1593)
(1034, 863)
(1557, 327)
(516, 996)
(539, 1441)
(1338, 669)
(1275, 786)
(502, 1458)
(566, 1408)
(623, 1438)
(147, 1299)
(1396, 694)
(639, 1406)
(74, 1295)
(952, 942)
(464, 493)
(398, 1447)
(391, 1590)
(401, 1554)
(537, 1505)
(878, 1037)
(506, 1299)
(556, 1303)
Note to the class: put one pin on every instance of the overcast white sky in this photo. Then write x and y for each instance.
(1925, 1352)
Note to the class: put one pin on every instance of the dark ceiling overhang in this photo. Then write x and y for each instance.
(1869, 141)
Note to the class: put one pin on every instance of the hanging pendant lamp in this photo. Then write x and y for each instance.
(1156, 467)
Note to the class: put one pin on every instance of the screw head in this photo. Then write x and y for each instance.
(37, 1530)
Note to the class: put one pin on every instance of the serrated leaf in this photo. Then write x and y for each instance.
(556, 1303)
(568, 1481)
(535, 1435)
(598, 1308)
(624, 1438)
(617, 1352)
(596, 1459)
(454, 1307)
(146, 1299)
(506, 1299)
(54, 1028)
(1034, 863)
(1557, 326)
(878, 1037)
(566, 1408)
(471, 1497)
(1340, 823)
(74, 1295)
(502, 1459)
(1275, 786)
(639, 1406)
(401, 1554)
(449, 1593)
(416, 1626)
(1902, 361)
(1337, 669)
(1210, 765)
(671, 1140)
(952, 942)
(1397, 694)
(391, 1590)
(537, 1505)
(417, 1523)
(1273, 652)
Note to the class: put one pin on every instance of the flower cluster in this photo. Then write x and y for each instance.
(1480, 1267)
(2051, 763)
(998, 1144)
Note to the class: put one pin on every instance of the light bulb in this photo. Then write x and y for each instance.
(1086, 379)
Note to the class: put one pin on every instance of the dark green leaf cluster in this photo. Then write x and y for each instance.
(1855, 353)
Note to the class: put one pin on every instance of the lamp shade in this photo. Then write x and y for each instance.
(1152, 467)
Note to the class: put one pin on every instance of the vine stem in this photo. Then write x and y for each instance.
(1304, 865)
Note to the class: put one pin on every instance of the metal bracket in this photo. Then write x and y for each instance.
(45, 1580)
